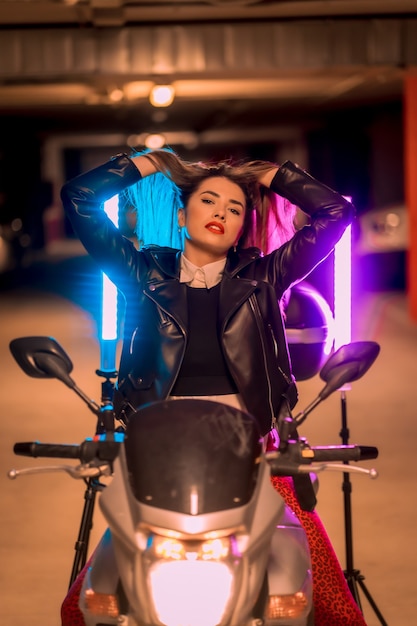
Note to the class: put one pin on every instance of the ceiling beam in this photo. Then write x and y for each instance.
(123, 12)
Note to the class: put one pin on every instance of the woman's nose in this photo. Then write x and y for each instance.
(220, 214)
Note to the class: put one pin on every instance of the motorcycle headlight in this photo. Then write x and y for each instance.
(191, 582)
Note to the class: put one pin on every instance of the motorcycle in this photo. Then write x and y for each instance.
(197, 534)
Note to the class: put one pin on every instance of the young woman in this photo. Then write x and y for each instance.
(203, 318)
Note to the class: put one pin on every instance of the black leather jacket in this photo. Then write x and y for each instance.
(252, 331)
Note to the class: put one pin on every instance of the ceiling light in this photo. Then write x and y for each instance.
(155, 141)
(162, 95)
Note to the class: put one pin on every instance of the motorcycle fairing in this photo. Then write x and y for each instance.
(252, 522)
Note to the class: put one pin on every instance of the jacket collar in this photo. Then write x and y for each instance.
(168, 260)
(236, 261)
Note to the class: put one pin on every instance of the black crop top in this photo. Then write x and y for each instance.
(204, 371)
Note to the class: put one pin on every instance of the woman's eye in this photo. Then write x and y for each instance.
(207, 200)
(235, 211)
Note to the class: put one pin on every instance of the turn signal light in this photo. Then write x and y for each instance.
(101, 603)
(285, 607)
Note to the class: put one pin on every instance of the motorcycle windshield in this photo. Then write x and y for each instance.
(192, 456)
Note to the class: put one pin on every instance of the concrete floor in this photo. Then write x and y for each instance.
(40, 514)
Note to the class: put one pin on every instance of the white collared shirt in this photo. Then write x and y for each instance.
(206, 276)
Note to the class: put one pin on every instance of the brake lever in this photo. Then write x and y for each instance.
(78, 471)
(339, 467)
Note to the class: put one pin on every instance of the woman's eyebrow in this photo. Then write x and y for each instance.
(217, 195)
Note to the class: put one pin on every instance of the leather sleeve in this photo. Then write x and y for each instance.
(330, 215)
(83, 199)
(310, 195)
(83, 193)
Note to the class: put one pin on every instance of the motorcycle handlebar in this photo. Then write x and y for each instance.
(85, 452)
(285, 464)
(295, 459)
(324, 454)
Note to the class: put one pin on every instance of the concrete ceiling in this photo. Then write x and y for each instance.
(238, 66)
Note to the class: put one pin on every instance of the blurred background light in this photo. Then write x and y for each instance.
(155, 141)
(162, 95)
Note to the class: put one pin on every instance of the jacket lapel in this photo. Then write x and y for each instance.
(233, 292)
(162, 284)
(171, 297)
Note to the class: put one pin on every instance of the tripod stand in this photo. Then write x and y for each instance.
(353, 576)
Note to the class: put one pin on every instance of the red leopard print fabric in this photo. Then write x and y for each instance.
(70, 612)
(333, 602)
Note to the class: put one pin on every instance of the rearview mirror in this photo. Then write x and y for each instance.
(349, 363)
(42, 357)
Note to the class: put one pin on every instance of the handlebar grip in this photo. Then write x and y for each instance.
(344, 453)
(53, 450)
(85, 452)
(368, 453)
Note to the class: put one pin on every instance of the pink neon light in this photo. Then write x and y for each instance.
(343, 290)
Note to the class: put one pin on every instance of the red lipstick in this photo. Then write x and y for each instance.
(215, 227)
